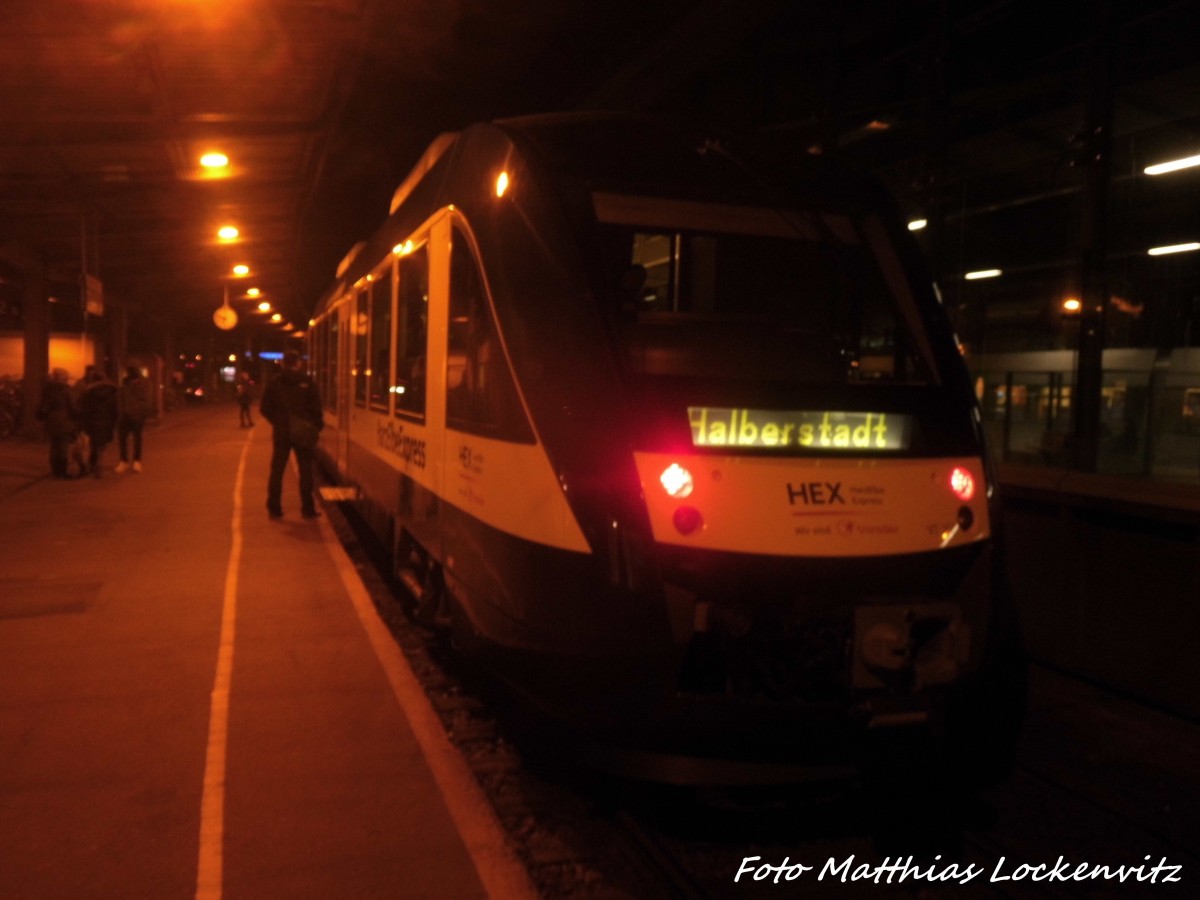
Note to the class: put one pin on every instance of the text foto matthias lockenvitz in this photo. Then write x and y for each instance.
(901, 869)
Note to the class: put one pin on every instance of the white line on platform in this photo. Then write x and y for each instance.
(502, 875)
(212, 801)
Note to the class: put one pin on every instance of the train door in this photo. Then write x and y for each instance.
(437, 244)
(413, 434)
(495, 474)
(345, 383)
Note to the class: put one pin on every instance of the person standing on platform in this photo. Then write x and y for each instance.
(98, 416)
(80, 386)
(135, 406)
(57, 411)
(243, 390)
(292, 404)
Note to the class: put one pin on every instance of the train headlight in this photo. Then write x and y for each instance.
(962, 483)
(676, 481)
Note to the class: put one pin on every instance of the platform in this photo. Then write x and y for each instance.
(197, 701)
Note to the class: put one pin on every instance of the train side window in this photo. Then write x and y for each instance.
(329, 355)
(331, 349)
(481, 396)
(379, 373)
(318, 357)
(412, 329)
(656, 253)
(362, 328)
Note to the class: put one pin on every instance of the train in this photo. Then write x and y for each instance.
(672, 432)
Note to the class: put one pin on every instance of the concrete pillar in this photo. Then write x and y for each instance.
(118, 335)
(1096, 162)
(35, 312)
(936, 137)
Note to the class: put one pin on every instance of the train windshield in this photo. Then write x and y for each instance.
(712, 291)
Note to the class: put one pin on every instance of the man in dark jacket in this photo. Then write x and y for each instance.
(292, 404)
(57, 411)
(135, 404)
(98, 415)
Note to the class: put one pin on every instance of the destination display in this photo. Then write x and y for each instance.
(783, 430)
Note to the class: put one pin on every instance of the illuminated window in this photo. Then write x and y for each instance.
(381, 337)
(361, 332)
(335, 351)
(412, 325)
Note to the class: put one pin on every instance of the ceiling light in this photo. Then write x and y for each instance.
(1174, 248)
(917, 224)
(1173, 166)
(253, 292)
(982, 273)
(241, 270)
(214, 160)
(264, 306)
(227, 232)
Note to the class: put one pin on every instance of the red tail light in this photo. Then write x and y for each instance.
(687, 519)
(962, 483)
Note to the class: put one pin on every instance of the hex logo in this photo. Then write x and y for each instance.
(815, 493)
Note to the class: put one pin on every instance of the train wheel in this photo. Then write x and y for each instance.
(423, 584)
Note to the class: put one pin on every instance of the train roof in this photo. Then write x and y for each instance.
(656, 156)
(627, 153)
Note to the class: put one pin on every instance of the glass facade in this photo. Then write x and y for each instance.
(1149, 409)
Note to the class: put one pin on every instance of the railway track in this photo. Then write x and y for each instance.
(1075, 795)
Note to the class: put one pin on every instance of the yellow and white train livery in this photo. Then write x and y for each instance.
(678, 437)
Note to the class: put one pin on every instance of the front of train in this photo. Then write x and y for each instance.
(815, 515)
